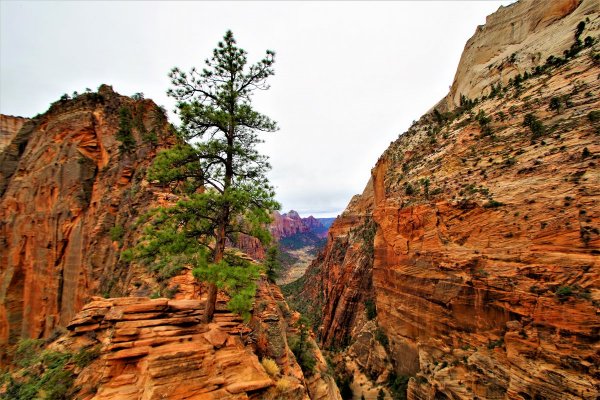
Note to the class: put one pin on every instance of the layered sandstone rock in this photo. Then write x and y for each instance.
(517, 38)
(142, 348)
(69, 199)
(154, 349)
(485, 264)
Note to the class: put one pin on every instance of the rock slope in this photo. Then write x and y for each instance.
(485, 255)
(69, 195)
(142, 348)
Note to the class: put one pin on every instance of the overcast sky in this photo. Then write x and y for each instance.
(350, 76)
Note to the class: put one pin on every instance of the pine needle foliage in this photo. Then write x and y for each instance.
(218, 174)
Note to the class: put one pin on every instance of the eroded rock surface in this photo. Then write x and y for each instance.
(154, 349)
(485, 260)
(69, 198)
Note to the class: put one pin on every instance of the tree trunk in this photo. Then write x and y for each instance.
(211, 302)
(211, 299)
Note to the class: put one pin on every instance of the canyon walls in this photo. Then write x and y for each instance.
(70, 192)
(484, 256)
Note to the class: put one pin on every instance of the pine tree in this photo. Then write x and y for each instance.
(218, 172)
(272, 263)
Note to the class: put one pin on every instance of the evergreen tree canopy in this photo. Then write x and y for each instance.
(218, 173)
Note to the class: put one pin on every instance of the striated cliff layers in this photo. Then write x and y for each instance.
(485, 256)
(70, 192)
(514, 39)
(141, 348)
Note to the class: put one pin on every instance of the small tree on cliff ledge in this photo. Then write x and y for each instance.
(220, 174)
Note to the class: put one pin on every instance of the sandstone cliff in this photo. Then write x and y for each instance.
(284, 226)
(72, 185)
(483, 266)
(514, 39)
(141, 348)
(9, 127)
(288, 224)
(69, 198)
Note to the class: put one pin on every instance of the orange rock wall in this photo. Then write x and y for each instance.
(65, 184)
(158, 348)
(485, 269)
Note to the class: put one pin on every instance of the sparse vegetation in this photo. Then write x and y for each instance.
(493, 204)
(563, 292)
(46, 374)
(302, 347)
(382, 338)
(124, 135)
(492, 344)
(535, 125)
(484, 123)
(272, 264)
(116, 233)
(398, 385)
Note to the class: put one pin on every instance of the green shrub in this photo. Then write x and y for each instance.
(398, 385)
(49, 378)
(585, 153)
(535, 125)
(563, 292)
(85, 356)
(303, 348)
(594, 116)
(493, 204)
(27, 352)
(116, 233)
(555, 104)
(124, 134)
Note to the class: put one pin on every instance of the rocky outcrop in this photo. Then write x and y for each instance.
(514, 39)
(142, 348)
(485, 252)
(69, 198)
(153, 349)
(9, 127)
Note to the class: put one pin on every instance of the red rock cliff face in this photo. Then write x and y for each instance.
(486, 253)
(287, 224)
(68, 196)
